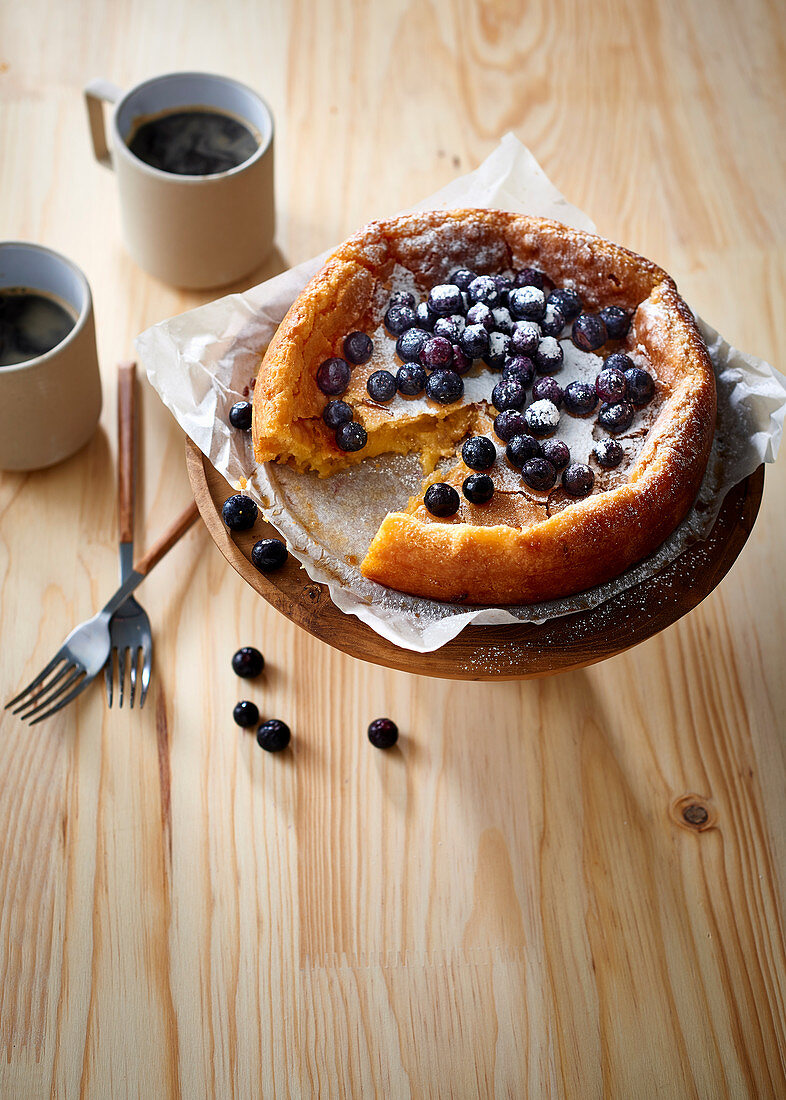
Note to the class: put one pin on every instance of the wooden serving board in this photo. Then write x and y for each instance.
(512, 652)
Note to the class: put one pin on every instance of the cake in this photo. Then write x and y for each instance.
(554, 385)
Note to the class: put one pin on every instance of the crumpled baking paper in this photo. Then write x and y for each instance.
(202, 361)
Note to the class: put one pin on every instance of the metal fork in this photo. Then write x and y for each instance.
(129, 628)
(84, 652)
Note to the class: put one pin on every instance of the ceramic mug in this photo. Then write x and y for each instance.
(190, 231)
(49, 405)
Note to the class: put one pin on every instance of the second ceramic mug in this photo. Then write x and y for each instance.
(191, 231)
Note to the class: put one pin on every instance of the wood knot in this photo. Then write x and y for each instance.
(691, 811)
(311, 594)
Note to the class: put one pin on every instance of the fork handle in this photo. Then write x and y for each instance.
(126, 439)
(186, 519)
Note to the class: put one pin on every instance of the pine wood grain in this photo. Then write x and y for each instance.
(509, 903)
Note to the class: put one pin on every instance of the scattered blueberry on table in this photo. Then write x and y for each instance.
(246, 713)
(274, 735)
(239, 512)
(267, 555)
(240, 415)
(383, 733)
(247, 662)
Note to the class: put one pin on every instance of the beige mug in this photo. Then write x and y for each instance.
(188, 230)
(49, 404)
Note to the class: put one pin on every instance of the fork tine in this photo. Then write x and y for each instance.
(147, 662)
(80, 687)
(109, 677)
(41, 704)
(134, 657)
(122, 655)
(58, 657)
(45, 687)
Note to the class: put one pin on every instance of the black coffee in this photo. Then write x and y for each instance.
(193, 142)
(31, 324)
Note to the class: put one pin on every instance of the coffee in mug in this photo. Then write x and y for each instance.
(31, 324)
(194, 142)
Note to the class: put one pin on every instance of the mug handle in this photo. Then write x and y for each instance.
(97, 93)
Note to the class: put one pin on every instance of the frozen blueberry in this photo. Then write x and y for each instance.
(383, 733)
(461, 362)
(610, 384)
(509, 393)
(402, 298)
(618, 360)
(424, 318)
(503, 322)
(351, 436)
(358, 348)
(444, 386)
(273, 735)
(336, 413)
(478, 488)
(474, 341)
(539, 474)
(462, 277)
(553, 320)
(510, 423)
(399, 318)
(246, 713)
(547, 389)
(519, 366)
(641, 386)
(450, 327)
(267, 555)
(527, 303)
(411, 379)
(479, 453)
(381, 386)
(480, 314)
(333, 376)
(442, 500)
(616, 417)
(525, 337)
(548, 357)
(521, 449)
(578, 480)
(580, 398)
(445, 299)
(616, 320)
(556, 452)
(411, 343)
(436, 353)
(588, 332)
(499, 350)
(240, 415)
(542, 418)
(608, 453)
(529, 276)
(239, 512)
(247, 662)
(567, 301)
(484, 289)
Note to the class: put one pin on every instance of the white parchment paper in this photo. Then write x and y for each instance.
(203, 361)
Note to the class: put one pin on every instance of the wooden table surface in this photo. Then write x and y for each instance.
(510, 903)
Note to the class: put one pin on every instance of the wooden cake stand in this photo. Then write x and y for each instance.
(511, 652)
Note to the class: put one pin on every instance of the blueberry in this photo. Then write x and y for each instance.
(267, 555)
(273, 735)
(351, 436)
(484, 289)
(333, 376)
(553, 320)
(336, 413)
(442, 500)
(580, 398)
(450, 327)
(529, 276)
(519, 366)
(445, 299)
(525, 337)
(504, 285)
(539, 474)
(610, 384)
(616, 417)
(588, 332)
(478, 488)
(461, 362)
(240, 415)
(542, 418)
(239, 512)
(246, 713)
(399, 318)
(556, 452)
(480, 314)
(510, 393)
(474, 341)
(641, 386)
(608, 452)
(527, 303)
(503, 322)
(521, 449)
(548, 357)
(358, 348)
(617, 322)
(508, 424)
(462, 277)
(436, 353)
(381, 386)
(424, 318)
(618, 360)
(444, 386)
(567, 301)
(411, 379)
(499, 349)
(247, 662)
(383, 733)
(547, 389)
(479, 453)
(578, 480)
(410, 344)
(402, 298)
